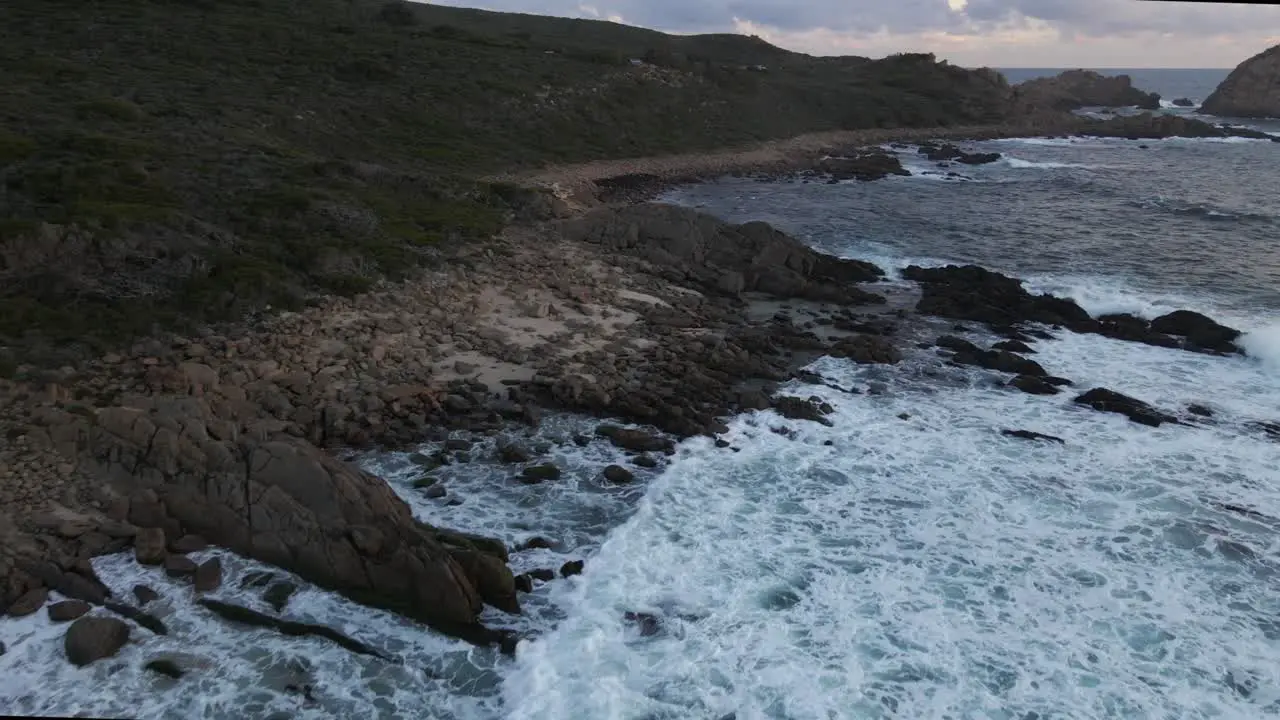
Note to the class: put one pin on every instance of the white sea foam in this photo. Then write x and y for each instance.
(927, 566)
(1021, 164)
(1264, 345)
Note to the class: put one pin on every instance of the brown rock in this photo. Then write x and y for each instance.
(179, 566)
(94, 637)
(68, 610)
(208, 575)
(571, 568)
(1252, 90)
(618, 475)
(28, 603)
(491, 577)
(149, 546)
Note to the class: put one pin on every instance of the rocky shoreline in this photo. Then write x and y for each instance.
(659, 320)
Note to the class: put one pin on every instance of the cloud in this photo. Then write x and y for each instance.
(1089, 33)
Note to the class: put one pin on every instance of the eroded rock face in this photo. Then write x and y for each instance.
(1252, 90)
(281, 501)
(726, 259)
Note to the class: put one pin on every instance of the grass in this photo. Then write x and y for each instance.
(169, 163)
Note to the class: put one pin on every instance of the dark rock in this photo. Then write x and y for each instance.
(978, 158)
(1001, 360)
(540, 473)
(618, 475)
(524, 583)
(149, 622)
(188, 544)
(1184, 102)
(1201, 332)
(94, 637)
(646, 623)
(794, 408)
(1016, 346)
(644, 461)
(68, 610)
(1200, 410)
(179, 566)
(278, 594)
(1034, 385)
(863, 165)
(1029, 435)
(490, 576)
(208, 575)
(866, 350)
(1075, 89)
(456, 444)
(435, 491)
(165, 667)
(28, 603)
(145, 594)
(1057, 381)
(635, 440)
(542, 574)
(535, 543)
(970, 292)
(1110, 401)
(253, 618)
(571, 568)
(1271, 429)
(958, 344)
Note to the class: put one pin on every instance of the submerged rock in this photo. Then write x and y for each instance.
(795, 408)
(1029, 435)
(1110, 401)
(618, 475)
(253, 618)
(168, 668)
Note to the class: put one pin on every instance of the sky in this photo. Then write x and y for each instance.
(971, 33)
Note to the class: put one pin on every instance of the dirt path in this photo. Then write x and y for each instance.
(576, 182)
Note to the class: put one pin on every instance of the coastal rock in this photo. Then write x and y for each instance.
(28, 603)
(1033, 385)
(1029, 435)
(795, 408)
(1148, 126)
(149, 546)
(970, 292)
(253, 618)
(946, 151)
(1252, 90)
(706, 250)
(1075, 89)
(208, 575)
(93, 638)
(635, 440)
(862, 165)
(278, 593)
(571, 568)
(1184, 102)
(144, 594)
(1200, 332)
(1110, 401)
(165, 667)
(68, 610)
(538, 473)
(618, 475)
(1001, 360)
(280, 500)
(179, 566)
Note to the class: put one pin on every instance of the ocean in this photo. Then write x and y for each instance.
(908, 562)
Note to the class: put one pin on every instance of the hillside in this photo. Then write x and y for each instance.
(172, 162)
(1252, 90)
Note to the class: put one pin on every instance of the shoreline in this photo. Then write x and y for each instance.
(565, 314)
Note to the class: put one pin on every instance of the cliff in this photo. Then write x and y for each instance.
(1252, 90)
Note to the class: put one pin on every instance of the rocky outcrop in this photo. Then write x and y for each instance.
(185, 469)
(970, 292)
(1184, 103)
(1076, 89)
(722, 258)
(1148, 126)
(861, 165)
(945, 151)
(1252, 90)
(1136, 410)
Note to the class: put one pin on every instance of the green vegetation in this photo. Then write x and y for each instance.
(173, 162)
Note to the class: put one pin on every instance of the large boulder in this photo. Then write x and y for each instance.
(279, 500)
(970, 292)
(1252, 90)
(725, 259)
(94, 637)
